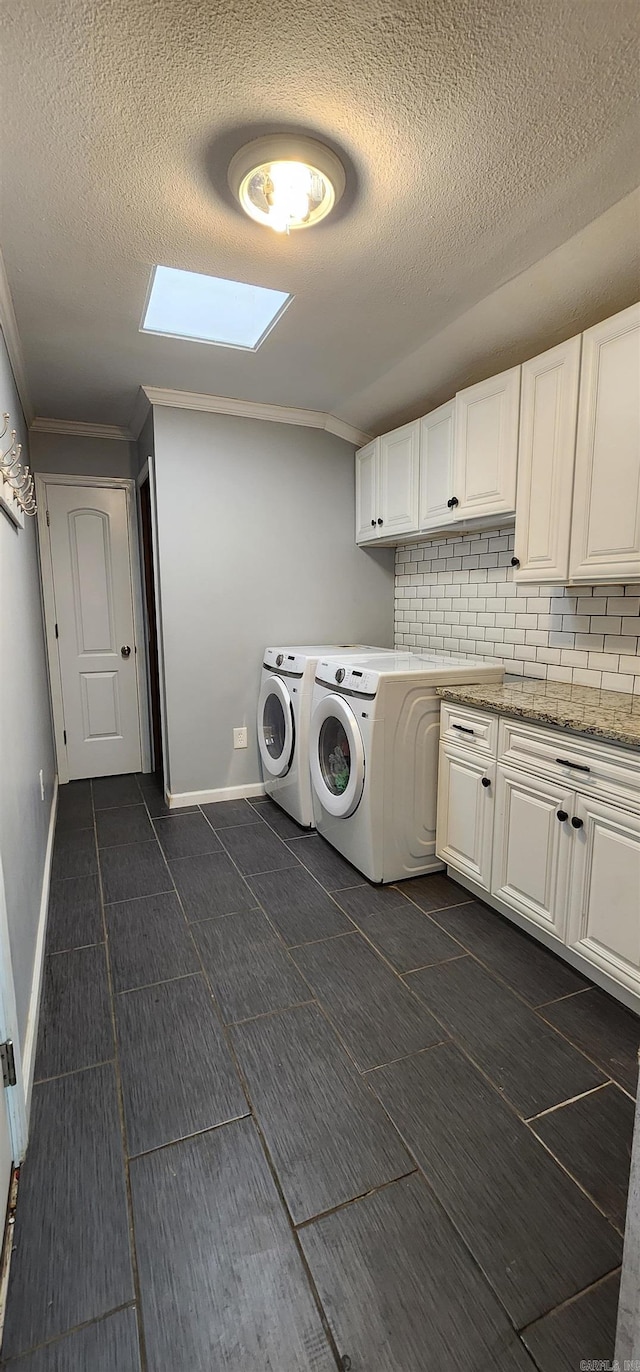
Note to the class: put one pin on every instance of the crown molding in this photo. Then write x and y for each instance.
(253, 409)
(9, 326)
(77, 429)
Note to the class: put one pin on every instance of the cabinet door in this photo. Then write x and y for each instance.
(464, 835)
(436, 466)
(398, 484)
(546, 453)
(532, 847)
(486, 446)
(604, 911)
(605, 530)
(367, 492)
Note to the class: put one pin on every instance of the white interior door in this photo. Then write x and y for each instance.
(93, 596)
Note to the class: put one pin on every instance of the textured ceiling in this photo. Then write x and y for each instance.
(477, 138)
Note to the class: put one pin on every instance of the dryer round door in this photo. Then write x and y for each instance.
(276, 731)
(336, 754)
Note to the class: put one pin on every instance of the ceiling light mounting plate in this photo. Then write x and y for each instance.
(286, 181)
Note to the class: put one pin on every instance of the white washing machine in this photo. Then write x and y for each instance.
(284, 710)
(373, 753)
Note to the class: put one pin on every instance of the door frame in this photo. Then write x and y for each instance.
(17, 1097)
(127, 485)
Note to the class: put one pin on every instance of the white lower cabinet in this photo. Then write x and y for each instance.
(604, 906)
(464, 835)
(559, 841)
(532, 847)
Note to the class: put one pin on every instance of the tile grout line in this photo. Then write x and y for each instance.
(361, 1074)
(571, 1300)
(18, 1358)
(616, 1228)
(542, 1005)
(315, 1294)
(256, 1124)
(593, 1090)
(76, 1071)
(355, 1200)
(123, 1131)
(535, 1009)
(185, 1138)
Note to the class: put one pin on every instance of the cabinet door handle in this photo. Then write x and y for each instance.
(515, 562)
(562, 815)
(577, 766)
(373, 522)
(486, 781)
(451, 504)
(381, 521)
(463, 729)
(576, 822)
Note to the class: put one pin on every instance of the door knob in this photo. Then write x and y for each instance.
(125, 651)
(577, 822)
(486, 781)
(380, 521)
(515, 562)
(373, 522)
(451, 504)
(562, 815)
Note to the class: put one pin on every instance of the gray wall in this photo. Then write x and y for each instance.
(26, 739)
(145, 446)
(73, 456)
(255, 525)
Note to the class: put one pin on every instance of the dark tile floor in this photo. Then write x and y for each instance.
(284, 1118)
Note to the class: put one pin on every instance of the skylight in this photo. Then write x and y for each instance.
(210, 309)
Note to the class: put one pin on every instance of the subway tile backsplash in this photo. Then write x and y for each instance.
(458, 595)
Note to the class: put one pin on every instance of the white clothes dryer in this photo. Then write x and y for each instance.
(284, 710)
(373, 753)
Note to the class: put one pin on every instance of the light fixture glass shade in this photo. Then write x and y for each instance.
(286, 182)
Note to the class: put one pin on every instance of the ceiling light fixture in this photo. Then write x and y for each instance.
(286, 182)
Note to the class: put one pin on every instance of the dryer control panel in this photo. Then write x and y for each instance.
(345, 677)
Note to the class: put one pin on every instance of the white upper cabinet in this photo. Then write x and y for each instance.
(367, 492)
(387, 476)
(486, 446)
(548, 421)
(605, 529)
(399, 470)
(436, 467)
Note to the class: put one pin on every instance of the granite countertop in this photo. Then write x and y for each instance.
(611, 716)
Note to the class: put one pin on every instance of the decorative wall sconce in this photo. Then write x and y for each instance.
(17, 491)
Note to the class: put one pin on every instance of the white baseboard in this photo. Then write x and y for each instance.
(31, 1035)
(176, 800)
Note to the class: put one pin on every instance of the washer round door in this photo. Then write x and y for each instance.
(276, 730)
(336, 754)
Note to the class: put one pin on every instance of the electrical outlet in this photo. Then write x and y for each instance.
(41, 784)
(240, 738)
